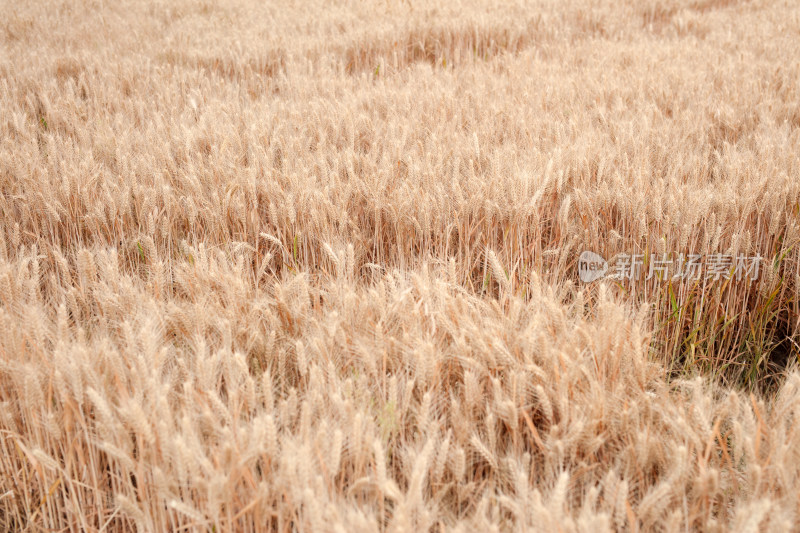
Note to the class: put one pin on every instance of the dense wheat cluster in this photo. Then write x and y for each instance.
(312, 266)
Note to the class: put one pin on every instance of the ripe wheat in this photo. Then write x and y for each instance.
(312, 267)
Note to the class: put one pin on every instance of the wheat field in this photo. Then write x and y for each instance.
(313, 266)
